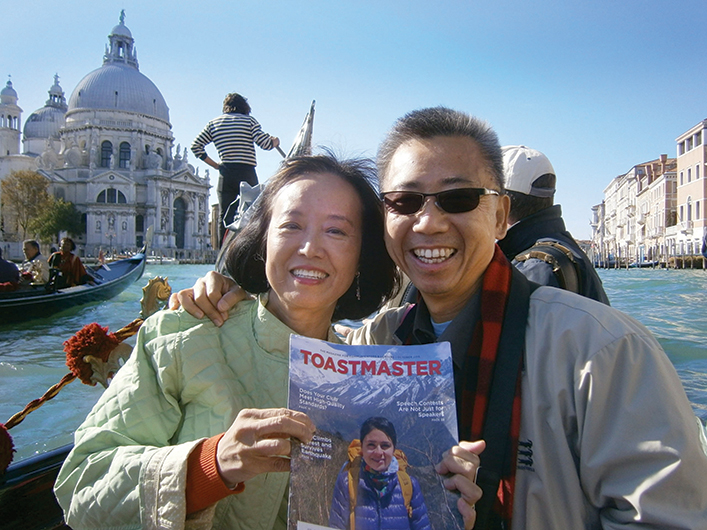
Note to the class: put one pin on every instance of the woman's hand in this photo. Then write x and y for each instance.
(212, 295)
(258, 442)
(461, 463)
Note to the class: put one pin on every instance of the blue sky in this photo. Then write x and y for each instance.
(598, 86)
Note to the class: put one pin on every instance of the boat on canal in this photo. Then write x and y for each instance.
(36, 301)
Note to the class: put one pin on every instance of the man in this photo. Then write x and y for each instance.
(9, 274)
(234, 134)
(34, 263)
(591, 441)
(537, 241)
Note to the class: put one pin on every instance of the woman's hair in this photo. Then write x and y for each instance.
(382, 424)
(378, 278)
(235, 103)
(73, 245)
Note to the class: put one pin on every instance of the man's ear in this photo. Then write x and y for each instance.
(503, 208)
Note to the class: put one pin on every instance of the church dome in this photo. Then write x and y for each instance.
(46, 122)
(8, 94)
(118, 85)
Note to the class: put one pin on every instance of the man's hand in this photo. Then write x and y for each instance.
(258, 441)
(460, 465)
(213, 296)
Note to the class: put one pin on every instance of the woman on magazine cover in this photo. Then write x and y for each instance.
(193, 428)
(373, 489)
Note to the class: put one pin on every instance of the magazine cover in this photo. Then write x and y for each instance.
(384, 416)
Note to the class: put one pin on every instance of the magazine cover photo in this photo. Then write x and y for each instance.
(384, 416)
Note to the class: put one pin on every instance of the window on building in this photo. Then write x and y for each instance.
(682, 178)
(697, 211)
(125, 155)
(689, 208)
(698, 138)
(112, 196)
(139, 223)
(689, 174)
(681, 213)
(106, 153)
(697, 172)
(688, 144)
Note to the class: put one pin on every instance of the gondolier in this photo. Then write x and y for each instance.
(234, 134)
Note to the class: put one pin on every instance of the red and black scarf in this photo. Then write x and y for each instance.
(481, 360)
(478, 372)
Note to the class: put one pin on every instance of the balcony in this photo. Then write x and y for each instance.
(686, 227)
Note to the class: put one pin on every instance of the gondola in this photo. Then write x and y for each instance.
(37, 301)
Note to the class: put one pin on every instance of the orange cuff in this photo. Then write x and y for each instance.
(204, 485)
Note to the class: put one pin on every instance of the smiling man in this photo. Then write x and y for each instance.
(569, 412)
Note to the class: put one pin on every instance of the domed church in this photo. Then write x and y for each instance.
(110, 152)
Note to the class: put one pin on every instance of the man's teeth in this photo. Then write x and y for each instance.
(312, 275)
(433, 255)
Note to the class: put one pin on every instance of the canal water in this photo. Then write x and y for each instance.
(671, 303)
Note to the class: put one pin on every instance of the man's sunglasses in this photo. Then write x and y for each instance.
(451, 201)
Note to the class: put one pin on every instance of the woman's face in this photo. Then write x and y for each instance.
(377, 449)
(313, 244)
(65, 246)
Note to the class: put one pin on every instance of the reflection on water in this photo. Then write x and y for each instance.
(670, 303)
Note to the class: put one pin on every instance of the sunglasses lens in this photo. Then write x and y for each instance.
(458, 201)
(404, 203)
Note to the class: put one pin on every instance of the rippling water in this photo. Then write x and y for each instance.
(672, 304)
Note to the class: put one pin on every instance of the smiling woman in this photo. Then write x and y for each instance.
(373, 488)
(211, 421)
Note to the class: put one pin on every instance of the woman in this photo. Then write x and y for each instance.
(385, 495)
(234, 134)
(72, 270)
(161, 447)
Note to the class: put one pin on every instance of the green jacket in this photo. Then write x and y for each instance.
(186, 380)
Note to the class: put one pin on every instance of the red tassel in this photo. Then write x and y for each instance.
(7, 448)
(94, 340)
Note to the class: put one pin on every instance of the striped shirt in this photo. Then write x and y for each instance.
(233, 135)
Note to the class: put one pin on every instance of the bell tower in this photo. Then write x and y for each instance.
(10, 117)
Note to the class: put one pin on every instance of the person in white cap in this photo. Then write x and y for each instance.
(537, 241)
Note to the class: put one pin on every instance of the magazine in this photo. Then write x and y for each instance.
(406, 392)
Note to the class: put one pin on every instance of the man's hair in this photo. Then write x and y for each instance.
(442, 121)
(32, 243)
(378, 278)
(235, 103)
(382, 424)
(523, 205)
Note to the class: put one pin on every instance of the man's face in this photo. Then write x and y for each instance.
(29, 251)
(445, 255)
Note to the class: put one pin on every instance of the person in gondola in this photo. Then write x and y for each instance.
(9, 273)
(194, 429)
(35, 268)
(68, 270)
(234, 134)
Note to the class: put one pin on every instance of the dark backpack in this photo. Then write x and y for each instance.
(560, 258)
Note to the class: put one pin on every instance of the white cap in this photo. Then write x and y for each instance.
(522, 166)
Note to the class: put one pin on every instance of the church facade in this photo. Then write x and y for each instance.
(110, 151)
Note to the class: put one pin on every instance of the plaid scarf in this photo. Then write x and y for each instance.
(477, 373)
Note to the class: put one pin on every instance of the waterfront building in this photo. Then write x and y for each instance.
(110, 151)
(630, 225)
(691, 228)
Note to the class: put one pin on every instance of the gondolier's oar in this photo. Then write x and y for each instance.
(281, 152)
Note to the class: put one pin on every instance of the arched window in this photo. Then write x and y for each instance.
(179, 225)
(113, 196)
(125, 155)
(106, 153)
(139, 223)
